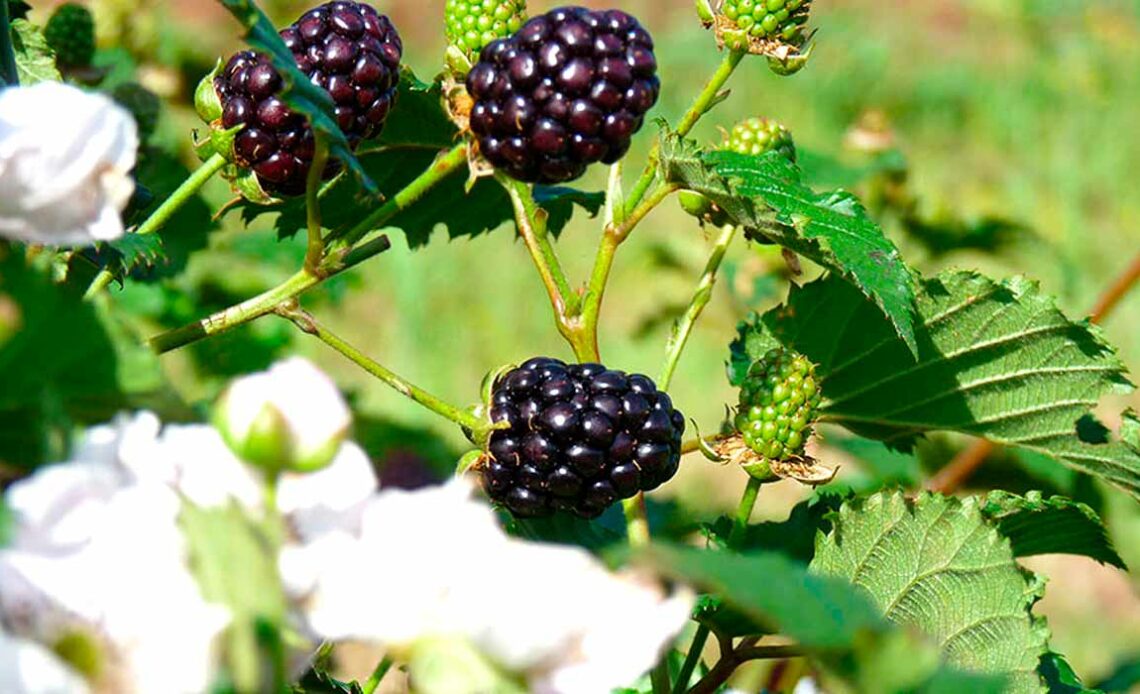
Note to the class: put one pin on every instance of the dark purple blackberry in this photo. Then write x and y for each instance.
(581, 437)
(568, 89)
(346, 48)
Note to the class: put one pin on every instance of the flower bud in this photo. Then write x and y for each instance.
(291, 417)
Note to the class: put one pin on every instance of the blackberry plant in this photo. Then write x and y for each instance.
(576, 448)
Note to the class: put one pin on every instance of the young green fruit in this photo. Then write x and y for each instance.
(71, 34)
(773, 20)
(779, 404)
(756, 136)
(472, 24)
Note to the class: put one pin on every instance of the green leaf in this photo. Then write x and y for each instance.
(766, 196)
(1123, 678)
(937, 566)
(420, 120)
(1057, 525)
(794, 537)
(996, 360)
(834, 622)
(235, 563)
(297, 91)
(35, 60)
(1059, 676)
(881, 465)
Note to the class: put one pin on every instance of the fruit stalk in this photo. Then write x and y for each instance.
(701, 298)
(309, 325)
(377, 675)
(185, 192)
(315, 250)
(341, 254)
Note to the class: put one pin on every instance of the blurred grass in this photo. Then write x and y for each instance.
(1027, 109)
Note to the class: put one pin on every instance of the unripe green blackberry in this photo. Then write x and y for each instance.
(758, 136)
(775, 20)
(143, 104)
(778, 405)
(472, 24)
(71, 34)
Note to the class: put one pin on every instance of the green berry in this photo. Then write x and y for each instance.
(756, 136)
(143, 104)
(773, 20)
(779, 402)
(472, 24)
(71, 34)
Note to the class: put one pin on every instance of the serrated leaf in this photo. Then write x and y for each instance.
(138, 251)
(420, 120)
(35, 60)
(766, 196)
(297, 91)
(1055, 525)
(235, 564)
(834, 622)
(996, 359)
(937, 566)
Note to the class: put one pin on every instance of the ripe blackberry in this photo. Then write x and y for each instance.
(347, 49)
(567, 90)
(758, 136)
(778, 404)
(472, 24)
(71, 34)
(581, 437)
(781, 20)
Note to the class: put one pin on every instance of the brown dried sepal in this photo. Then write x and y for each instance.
(803, 469)
(729, 35)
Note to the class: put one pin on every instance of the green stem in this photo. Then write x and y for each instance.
(701, 105)
(315, 250)
(692, 658)
(636, 520)
(445, 165)
(377, 675)
(659, 677)
(311, 326)
(700, 299)
(8, 72)
(739, 527)
(164, 212)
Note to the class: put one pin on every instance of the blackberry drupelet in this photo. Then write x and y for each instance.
(781, 20)
(779, 403)
(569, 89)
(472, 24)
(346, 48)
(581, 437)
(70, 32)
(758, 136)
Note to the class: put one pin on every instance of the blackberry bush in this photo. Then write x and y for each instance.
(71, 34)
(778, 404)
(581, 437)
(781, 20)
(758, 136)
(472, 24)
(567, 90)
(346, 48)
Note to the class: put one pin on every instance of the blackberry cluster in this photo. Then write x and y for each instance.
(346, 48)
(569, 89)
(70, 32)
(581, 437)
(781, 20)
(472, 24)
(758, 136)
(778, 404)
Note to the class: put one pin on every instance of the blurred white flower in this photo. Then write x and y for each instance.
(551, 613)
(28, 668)
(97, 554)
(289, 417)
(65, 161)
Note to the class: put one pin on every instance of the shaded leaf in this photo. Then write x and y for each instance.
(1055, 525)
(35, 60)
(1059, 676)
(939, 567)
(1124, 678)
(297, 91)
(996, 360)
(766, 196)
